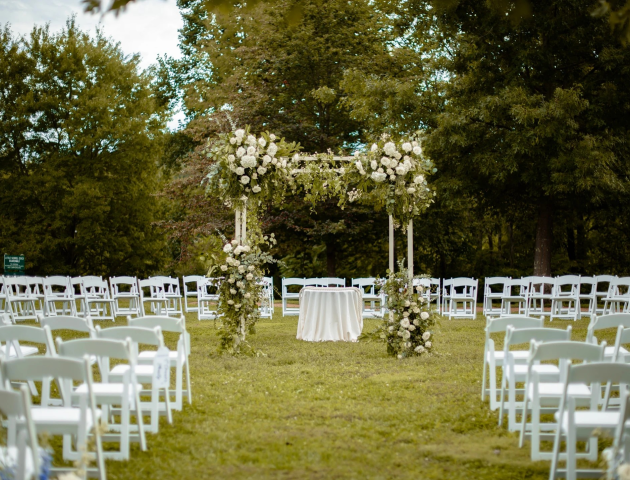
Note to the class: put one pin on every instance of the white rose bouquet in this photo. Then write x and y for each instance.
(407, 330)
(393, 175)
(246, 165)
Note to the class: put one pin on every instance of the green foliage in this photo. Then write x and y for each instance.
(80, 136)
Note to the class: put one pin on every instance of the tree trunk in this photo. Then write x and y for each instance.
(331, 258)
(544, 239)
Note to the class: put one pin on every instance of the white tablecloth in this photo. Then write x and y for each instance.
(329, 313)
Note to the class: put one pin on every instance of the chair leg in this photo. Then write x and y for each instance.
(188, 387)
(483, 379)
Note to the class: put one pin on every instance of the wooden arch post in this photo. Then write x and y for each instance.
(409, 248)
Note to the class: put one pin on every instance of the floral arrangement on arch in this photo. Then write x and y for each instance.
(407, 328)
(240, 293)
(392, 175)
(249, 166)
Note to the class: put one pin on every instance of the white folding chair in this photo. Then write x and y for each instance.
(20, 304)
(78, 292)
(515, 291)
(178, 357)
(265, 304)
(36, 288)
(587, 425)
(96, 299)
(67, 420)
(125, 289)
(370, 297)
(436, 294)
(588, 293)
(291, 296)
(602, 286)
(493, 359)
(58, 289)
(618, 296)
(604, 322)
(493, 290)
(173, 295)
(124, 395)
(208, 298)
(464, 292)
(329, 282)
(22, 449)
(152, 291)
(540, 294)
(191, 293)
(145, 374)
(12, 335)
(514, 372)
(544, 397)
(74, 324)
(565, 301)
(446, 295)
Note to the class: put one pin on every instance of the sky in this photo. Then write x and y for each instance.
(147, 27)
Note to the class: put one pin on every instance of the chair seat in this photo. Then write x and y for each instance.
(514, 298)
(369, 296)
(519, 355)
(107, 392)
(608, 351)
(25, 349)
(148, 357)
(291, 295)
(545, 371)
(60, 419)
(144, 373)
(555, 390)
(587, 421)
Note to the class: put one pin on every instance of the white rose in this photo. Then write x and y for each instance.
(385, 161)
(401, 170)
(623, 471)
(380, 170)
(378, 177)
(231, 280)
(416, 322)
(240, 170)
(240, 284)
(392, 177)
(272, 137)
(233, 141)
(232, 291)
(244, 179)
(237, 306)
(424, 315)
(224, 268)
(411, 190)
(262, 142)
(230, 302)
(374, 147)
(240, 133)
(417, 150)
(238, 250)
(408, 344)
(247, 295)
(231, 157)
(407, 147)
(273, 149)
(397, 155)
(404, 323)
(419, 349)
(227, 247)
(390, 329)
(251, 150)
(428, 344)
(419, 179)
(251, 268)
(284, 164)
(390, 171)
(426, 336)
(274, 161)
(240, 152)
(405, 314)
(261, 170)
(411, 328)
(266, 160)
(249, 276)
(406, 334)
(256, 189)
(407, 303)
(251, 140)
(389, 148)
(241, 269)
(254, 175)
(374, 164)
(416, 310)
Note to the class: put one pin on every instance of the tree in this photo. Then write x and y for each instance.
(80, 139)
(285, 78)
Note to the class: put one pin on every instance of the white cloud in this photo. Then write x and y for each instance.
(147, 27)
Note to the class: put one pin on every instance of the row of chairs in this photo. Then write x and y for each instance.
(561, 297)
(26, 298)
(118, 394)
(571, 380)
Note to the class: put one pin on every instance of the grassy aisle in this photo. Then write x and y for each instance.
(334, 410)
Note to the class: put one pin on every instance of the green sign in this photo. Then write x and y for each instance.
(13, 264)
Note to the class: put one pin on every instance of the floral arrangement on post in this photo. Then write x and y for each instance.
(247, 166)
(239, 294)
(407, 329)
(393, 175)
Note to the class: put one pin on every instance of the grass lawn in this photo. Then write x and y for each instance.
(334, 410)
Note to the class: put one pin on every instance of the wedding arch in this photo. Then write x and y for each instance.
(250, 170)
